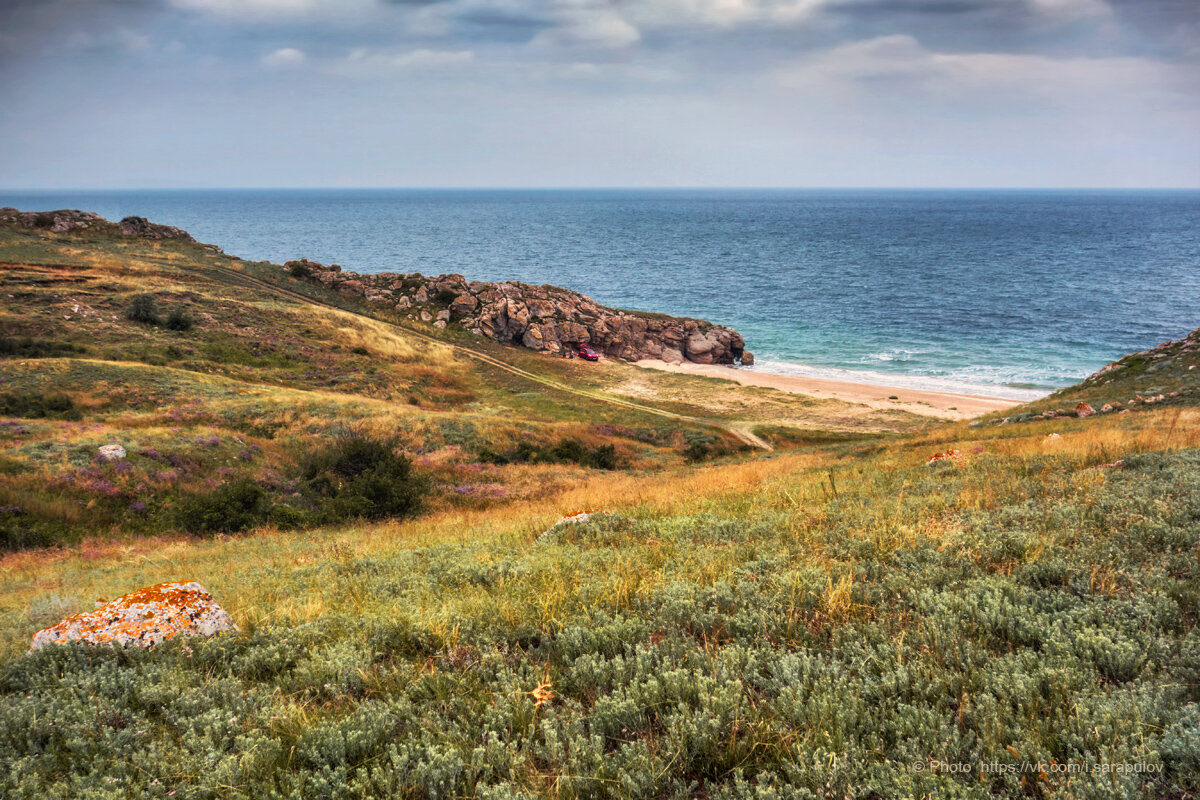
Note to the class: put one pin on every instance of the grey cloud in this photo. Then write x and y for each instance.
(1017, 26)
(1165, 27)
(504, 19)
(30, 29)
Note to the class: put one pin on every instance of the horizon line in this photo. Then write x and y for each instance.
(497, 188)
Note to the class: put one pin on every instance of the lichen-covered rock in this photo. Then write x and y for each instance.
(948, 455)
(1084, 409)
(143, 618)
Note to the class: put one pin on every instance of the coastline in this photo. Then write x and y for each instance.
(943, 405)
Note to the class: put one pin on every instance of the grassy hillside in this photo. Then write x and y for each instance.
(239, 372)
(836, 619)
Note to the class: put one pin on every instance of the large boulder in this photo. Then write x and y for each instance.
(140, 226)
(350, 288)
(143, 618)
(534, 338)
(464, 304)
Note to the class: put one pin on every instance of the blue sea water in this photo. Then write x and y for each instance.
(1010, 293)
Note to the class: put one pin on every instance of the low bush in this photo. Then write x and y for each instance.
(19, 530)
(229, 508)
(142, 308)
(360, 477)
(353, 477)
(566, 451)
(178, 320)
(28, 347)
(38, 406)
(697, 450)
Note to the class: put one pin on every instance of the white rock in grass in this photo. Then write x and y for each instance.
(111, 452)
(570, 519)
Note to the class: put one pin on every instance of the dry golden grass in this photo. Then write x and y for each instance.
(379, 338)
(796, 485)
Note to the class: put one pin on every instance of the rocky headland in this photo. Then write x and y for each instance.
(547, 319)
(67, 220)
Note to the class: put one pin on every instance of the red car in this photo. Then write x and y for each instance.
(588, 354)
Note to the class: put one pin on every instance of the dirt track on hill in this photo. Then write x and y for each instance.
(741, 431)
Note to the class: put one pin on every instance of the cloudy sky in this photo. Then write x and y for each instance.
(232, 93)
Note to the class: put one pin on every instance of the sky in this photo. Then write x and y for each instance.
(107, 94)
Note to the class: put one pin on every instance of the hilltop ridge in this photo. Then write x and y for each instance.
(66, 220)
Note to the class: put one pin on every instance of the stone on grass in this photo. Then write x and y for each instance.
(111, 452)
(574, 518)
(143, 618)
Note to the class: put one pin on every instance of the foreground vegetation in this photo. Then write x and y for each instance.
(837, 618)
(810, 624)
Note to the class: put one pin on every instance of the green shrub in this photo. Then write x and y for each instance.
(299, 269)
(445, 296)
(230, 508)
(602, 457)
(142, 308)
(19, 530)
(697, 450)
(28, 347)
(178, 320)
(38, 406)
(360, 477)
(566, 451)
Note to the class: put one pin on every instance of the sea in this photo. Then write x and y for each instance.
(1002, 292)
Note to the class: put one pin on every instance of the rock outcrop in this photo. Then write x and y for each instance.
(143, 618)
(66, 220)
(140, 226)
(1183, 352)
(547, 319)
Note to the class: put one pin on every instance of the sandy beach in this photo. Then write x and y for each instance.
(946, 405)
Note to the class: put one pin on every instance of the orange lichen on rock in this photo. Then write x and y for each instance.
(1084, 409)
(143, 618)
(949, 455)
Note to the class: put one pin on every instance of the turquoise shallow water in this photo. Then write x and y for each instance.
(1005, 292)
